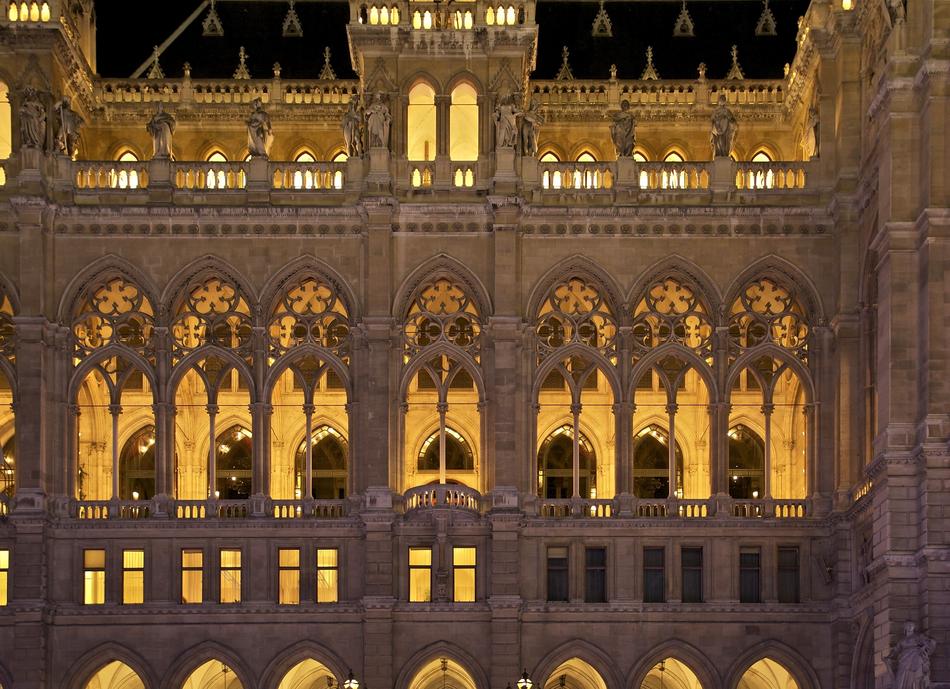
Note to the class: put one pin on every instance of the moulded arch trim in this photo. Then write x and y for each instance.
(424, 77)
(680, 148)
(296, 354)
(551, 147)
(308, 265)
(333, 151)
(189, 661)
(94, 660)
(432, 428)
(183, 366)
(586, 146)
(554, 358)
(107, 352)
(209, 265)
(790, 274)
(581, 266)
(685, 653)
(442, 649)
(126, 146)
(676, 264)
(99, 269)
(8, 288)
(453, 352)
(583, 650)
(299, 432)
(796, 664)
(210, 147)
(769, 148)
(9, 372)
(748, 359)
(464, 77)
(287, 660)
(645, 151)
(441, 265)
(301, 147)
(679, 351)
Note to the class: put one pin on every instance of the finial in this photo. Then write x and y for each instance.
(327, 73)
(292, 27)
(649, 72)
(156, 71)
(565, 74)
(766, 25)
(276, 69)
(602, 27)
(241, 72)
(683, 27)
(735, 72)
(211, 26)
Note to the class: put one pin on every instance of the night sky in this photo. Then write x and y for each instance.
(258, 27)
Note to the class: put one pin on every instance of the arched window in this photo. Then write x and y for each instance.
(329, 458)
(674, 157)
(305, 157)
(214, 674)
(672, 310)
(217, 157)
(137, 466)
(767, 674)
(586, 157)
(556, 465)
(762, 157)
(463, 123)
(549, 157)
(768, 310)
(115, 675)
(746, 464)
(671, 673)
(576, 673)
(639, 157)
(575, 311)
(308, 674)
(457, 457)
(233, 452)
(421, 120)
(651, 463)
(340, 157)
(213, 311)
(674, 178)
(113, 310)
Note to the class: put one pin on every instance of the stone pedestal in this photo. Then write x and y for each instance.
(160, 182)
(379, 177)
(505, 178)
(258, 177)
(628, 173)
(722, 175)
(355, 172)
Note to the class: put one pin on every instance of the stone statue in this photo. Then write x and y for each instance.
(67, 136)
(724, 128)
(506, 122)
(161, 127)
(810, 135)
(623, 130)
(909, 661)
(531, 121)
(353, 130)
(897, 11)
(378, 121)
(32, 119)
(260, 135)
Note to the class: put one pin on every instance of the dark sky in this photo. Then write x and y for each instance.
(257, 26)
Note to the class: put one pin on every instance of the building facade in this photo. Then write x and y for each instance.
(412, 380)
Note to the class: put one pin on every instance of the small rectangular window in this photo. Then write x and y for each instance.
(288, 576)
(230, 576)
(692, 564)
(788, 578)
(463, 575)
(192, 576)
(654, 575)
(750, 587)
(595, 575)
(133, 577)
(4, 576)
(558, 589)
(94, 577)
(328, 575)
(420, 575)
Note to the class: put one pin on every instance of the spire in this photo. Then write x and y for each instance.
(565, 74)
(602, 27)
(649, 72)
(735, 72)
(241, 72)
(292, 27)
(683, 28)
(211, 26)
(327, 73)
(766, 25)
(155, 72)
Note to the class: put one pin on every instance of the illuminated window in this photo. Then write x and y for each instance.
(94, 577)
(305, 157)
(192, 576)
(421, 119)
(463, 123)
(556, 465)
(651, 461)
(288, 576)
(761, 157)
(458, 453)
(4, 576)
(328, 575)
(673, 157)
(133, 577)
(463, 575)
(420, 575)
(6, 126)
(230, 576)
(549, 157)
(746, 464)
(639, 157)
(233, 464)
(217, 157)
(137, 466)
(671, 179)
(328, 464)
(586, 157)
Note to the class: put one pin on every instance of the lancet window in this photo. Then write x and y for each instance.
(328, 451)
(575, 311)
(463, 123)
(137, 466)
(213, 312)
(7, 423)
(672, 310)
(651, 463)
(421, 120)
(113, 310)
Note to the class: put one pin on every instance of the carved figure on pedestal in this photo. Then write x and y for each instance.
(32, 120)
(506, 122)
(623, 130)
(909, 661)
(353, 130)
(260, 135)
(69, 122)
(161, 127)
(810, 135)
(378, 121)
(724, 128)
(531, 121)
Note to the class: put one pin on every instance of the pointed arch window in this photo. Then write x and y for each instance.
(457, 455)
(463, 123)
(216, 157)
(442, 312)
(672, 310)
(651, 463)
(575, 311)
(556, 465)
(746, 463)
(310, 311)
(213, 312)
(768, 310)
(233, 453)
(137, 466)
(7, 330)
(328, 461)
(113, 310)
(421, 117)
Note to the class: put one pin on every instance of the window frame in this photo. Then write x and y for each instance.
(456, 568)
(412, 568)
(222, 570)
(749, 550)
(335, 569)
(6, 557)
(128, 571)
(89, 576)
(603, 569)
(282, 568)
(183, 570)
(698, 570)
(549, 572)
(797, 570)
(650, 569)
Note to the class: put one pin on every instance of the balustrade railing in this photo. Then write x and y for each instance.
(673, 176)
(421, 175)
(300, 509)
(210, 176)
(577, 176)
(603, 92)
(111, 509)
(771, 175)
(430, 15)
(32, 11)
(111, 175)
(308, 176)
(463, 175)
(451, 496)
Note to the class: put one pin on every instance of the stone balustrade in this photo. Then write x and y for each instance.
(225, 91)
(608, 93)
(446, 495)
(433, 16)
